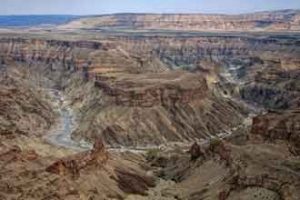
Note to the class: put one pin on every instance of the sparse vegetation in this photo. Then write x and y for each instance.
(151, 154)
(214, 144)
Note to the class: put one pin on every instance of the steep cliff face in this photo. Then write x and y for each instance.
(40, 171)
(275, 88)
(141, 54)
(221, 170)
(278, 90)
(24, 110)
(140, 90)
(31, 168)
(156, 89)
(280, 125)
(143, 91)
(285, 20)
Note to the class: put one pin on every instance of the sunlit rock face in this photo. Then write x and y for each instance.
(159, 91)
(97, 157)
(27, 116)
(275, 88)
(160, 88)
(24, 109)
(286, 20)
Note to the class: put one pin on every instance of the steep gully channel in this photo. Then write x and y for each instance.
(60, 135)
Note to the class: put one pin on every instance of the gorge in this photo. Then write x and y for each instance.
(141, 106)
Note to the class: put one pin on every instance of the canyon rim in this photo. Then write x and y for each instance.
(153, 106)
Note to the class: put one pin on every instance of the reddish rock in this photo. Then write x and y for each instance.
(286, 20)
(73, 164)
(30, 155)
(283, 125)
(220, 148)
(196, 151)
(11, 154)
(223, 195)
(166, 92)
(133, 182)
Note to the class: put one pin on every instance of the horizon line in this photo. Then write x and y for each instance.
(153, 13)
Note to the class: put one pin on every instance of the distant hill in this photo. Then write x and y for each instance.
(34, 20)
(281, 20)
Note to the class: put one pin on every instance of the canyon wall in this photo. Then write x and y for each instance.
(24, 109)
(159, 88)
(285, 20)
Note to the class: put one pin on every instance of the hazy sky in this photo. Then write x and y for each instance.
(85, 7)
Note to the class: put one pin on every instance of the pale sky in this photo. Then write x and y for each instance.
(87, 7)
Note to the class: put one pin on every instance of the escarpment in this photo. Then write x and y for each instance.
(255, 170)
(144, 91)
(275, 88)
(149, 53)
(177, 114)
(31, 168)
(164, 89)
(172, 114)
(280, 125)
(285, 20)
(24, 109)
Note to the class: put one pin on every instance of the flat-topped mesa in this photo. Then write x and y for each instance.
(73, 164)
(284, 20)
(150, 90)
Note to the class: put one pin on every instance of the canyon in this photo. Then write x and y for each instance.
(144, 106)
(284, 20)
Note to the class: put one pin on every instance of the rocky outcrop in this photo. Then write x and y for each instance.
(143, 91)
(156, 89)
(14, 153)
(274, 88)
(23, 110)
(255, 170)
(88, 175)
(280, 125)
(196, 151)
(133, 183)
(285, 20)
(96, 157)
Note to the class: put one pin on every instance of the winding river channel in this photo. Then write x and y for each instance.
(60, 134)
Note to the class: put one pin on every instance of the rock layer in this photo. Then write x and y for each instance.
(280, 125)
(142, 91)
(285, 20)
(23, 108)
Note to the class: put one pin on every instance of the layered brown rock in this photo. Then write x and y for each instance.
(280, 125)
(142, 91)
(132, 182)
(196, 151)
(267, 21)
(255, 170)
(87, 175)
(23, 110)
(142, 98)
(150, 90)
(96, 157)
(275, 87)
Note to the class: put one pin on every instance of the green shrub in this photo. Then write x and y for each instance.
(151, 154)
(214, 143)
